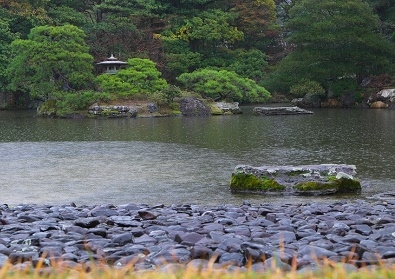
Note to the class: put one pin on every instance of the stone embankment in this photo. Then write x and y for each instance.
(149, 237)
(267, 111)
(190, 106)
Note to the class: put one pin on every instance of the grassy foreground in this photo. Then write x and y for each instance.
(334, 271)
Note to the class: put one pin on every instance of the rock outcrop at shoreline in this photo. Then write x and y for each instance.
(268, 111)
(321, 179)
(189, 106)
(151, 237)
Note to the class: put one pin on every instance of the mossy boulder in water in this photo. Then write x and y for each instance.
(250, 182)
(298, 180)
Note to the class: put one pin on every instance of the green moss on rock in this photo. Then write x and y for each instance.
(346, 185)
(243, 182)
(342, 185)
(315, 186)
(215, 110)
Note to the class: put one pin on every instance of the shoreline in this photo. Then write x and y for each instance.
(354, 234)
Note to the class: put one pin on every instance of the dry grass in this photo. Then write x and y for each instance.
(62, 271)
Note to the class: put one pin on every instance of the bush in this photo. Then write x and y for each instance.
(222, 85)
(171, 92)
(305, 87)
(140, 77)
(63, 103)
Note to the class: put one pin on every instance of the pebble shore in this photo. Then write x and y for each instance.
(355, 234)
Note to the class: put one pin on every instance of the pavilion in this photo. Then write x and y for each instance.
(111, 65)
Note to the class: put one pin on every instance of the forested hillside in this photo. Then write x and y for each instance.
(233, 49)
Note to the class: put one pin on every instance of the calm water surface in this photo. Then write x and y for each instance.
(184, 159)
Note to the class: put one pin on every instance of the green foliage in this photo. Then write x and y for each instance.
(385, 10)
(223, 84)
(61, 15)
(336, 43)
(141, 76)
(306, 86)
(117, 34)
(333, 40)
(211, 25)
(248, 182)
(315, 186)
(171, 92)
(341, 86)
(6, 37)
(63, 103)
(250, 64)
(342, 185)
(209, 31)
(178, 56)
(257, 20)
(51, 59)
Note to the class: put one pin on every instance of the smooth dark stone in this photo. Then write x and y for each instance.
(28, 218)
(283, 237)
(145, 239)
(51, 251)
(385, 220)
(76, 229)
(125, 221)
(20, 257)
(89, 222)
(314, 252)
(98, 231)
(201, 252)
(206, 218)
(236, 259)
(103, 211)
(123, 239)
(213, 227)
(275, 263)
(179, 255)
(230, 244)
(389, 254)
(127, 260)
(363, 229)
(188, 238)
(255, 251)
(216, 236)
(69, 257)
(147, 215)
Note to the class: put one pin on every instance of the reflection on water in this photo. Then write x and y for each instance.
(182, 159)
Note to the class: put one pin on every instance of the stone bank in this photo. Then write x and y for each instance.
(353, 234)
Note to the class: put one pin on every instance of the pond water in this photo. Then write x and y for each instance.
(180, 160)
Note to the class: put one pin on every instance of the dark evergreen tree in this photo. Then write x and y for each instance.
(336, 43)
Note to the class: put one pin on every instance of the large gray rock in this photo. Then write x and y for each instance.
(298, 180)
(231, 108)
(310, 100)
(280, 111)
(382, 99)
(194, 107)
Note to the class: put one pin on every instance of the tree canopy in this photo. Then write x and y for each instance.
(222, 85)
(278, 44)
(51, 59)
(140, 77)
(334, 41)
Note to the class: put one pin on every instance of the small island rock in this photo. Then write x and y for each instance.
(297, 180)
(280, 111)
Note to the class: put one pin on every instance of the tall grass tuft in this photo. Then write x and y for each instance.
(60, 270)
